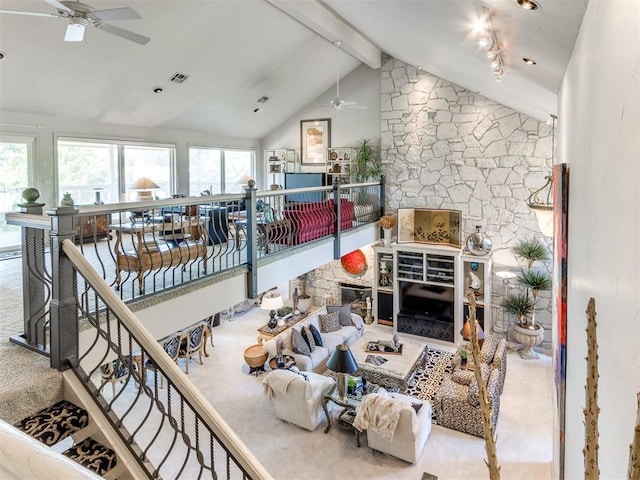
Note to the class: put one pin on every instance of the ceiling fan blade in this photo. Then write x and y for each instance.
(59, 6)
(75, 32)
(35, 14)
(125, 13)
(126, 34)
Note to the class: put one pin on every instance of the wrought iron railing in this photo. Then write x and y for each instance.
(166, 423)
(144, 248)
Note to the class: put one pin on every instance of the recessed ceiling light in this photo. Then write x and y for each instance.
(3, 55)
(528, 4)
(528, 61)
(158, 90)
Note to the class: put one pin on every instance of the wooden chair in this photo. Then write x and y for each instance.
(208, 333)
(172, 347)
(113, 372)
(193, 342)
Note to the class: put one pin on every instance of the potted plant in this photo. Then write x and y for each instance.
(367, 165)
(522, 304)
(387, 222)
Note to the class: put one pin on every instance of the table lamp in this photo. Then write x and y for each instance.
(342, 362)
(144, 185)
(272, 301)
(466, 331)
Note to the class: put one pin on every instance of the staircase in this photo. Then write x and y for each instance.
(65, 427)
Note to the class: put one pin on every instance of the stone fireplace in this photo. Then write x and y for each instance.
(355, 296)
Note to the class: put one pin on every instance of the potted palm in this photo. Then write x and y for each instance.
(367, 165)
(522, 304)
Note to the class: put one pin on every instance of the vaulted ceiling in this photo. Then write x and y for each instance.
(237, 51)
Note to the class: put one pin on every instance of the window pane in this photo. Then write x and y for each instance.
(205, 168)
(151, 162)
(238, 168)
(14, 177)
(84, 167)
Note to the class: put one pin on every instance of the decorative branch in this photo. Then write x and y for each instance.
(485, 406)
(591, 410)
(634, 449)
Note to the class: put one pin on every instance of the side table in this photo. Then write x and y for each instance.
(346, 416)
(255, 356)
(288, 360)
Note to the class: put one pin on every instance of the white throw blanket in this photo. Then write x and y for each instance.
(278, 381)
(358, 323)
(379, 412)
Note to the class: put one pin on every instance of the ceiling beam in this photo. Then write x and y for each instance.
(326, 23)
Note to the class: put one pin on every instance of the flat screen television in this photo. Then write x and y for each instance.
(302, 180)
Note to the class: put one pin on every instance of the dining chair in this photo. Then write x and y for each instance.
(192, 342)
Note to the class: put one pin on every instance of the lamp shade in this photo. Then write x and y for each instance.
(271, 301)
(143, 183)
(466, 331)
(342, 361)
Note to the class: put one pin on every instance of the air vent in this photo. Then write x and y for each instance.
(178, 77)
(263, 99)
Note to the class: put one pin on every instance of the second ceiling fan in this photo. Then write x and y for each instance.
(338, 103)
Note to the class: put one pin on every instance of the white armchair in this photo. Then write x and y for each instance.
(411, 432)
(298, 398)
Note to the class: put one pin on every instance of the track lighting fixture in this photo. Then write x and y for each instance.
(488, 42)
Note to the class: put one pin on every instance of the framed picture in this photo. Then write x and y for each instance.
(315, 139)
(423, 225)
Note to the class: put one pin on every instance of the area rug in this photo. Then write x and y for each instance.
(427, 380)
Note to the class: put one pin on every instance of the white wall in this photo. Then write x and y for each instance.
(348, 126)
(52, 127)
(599, 128)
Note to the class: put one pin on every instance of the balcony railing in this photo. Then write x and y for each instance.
(144, 248)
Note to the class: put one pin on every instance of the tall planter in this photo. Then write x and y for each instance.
(529, 337)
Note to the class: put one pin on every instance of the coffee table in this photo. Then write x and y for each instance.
(398, 370)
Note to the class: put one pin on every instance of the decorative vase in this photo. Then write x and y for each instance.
(304, 303)
(479, 243)
(387, 237)
(528, 338)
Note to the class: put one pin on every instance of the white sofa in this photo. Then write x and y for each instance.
(411, 432)
(316, 362)
(296, 398)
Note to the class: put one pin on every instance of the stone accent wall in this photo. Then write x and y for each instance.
(444, 146)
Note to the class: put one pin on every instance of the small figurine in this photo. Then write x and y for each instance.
(67, 201)
(296, 297)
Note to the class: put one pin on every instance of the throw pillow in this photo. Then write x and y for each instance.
(473, 395)
(298, 343)
(463, 377)
(295, 369)
(488, 349)
(316, 335)
(308, 337)
(344, 313)
(329, 322)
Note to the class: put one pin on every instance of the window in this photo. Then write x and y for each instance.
(219, 170)
(15, 159)
(92, 169)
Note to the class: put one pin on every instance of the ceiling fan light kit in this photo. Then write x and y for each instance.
(80, 15)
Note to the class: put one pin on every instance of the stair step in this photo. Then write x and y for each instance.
(55, 423)
(93, 455)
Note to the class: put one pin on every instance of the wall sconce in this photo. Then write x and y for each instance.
(540, 202)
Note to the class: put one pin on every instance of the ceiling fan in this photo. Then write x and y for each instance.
(80, 15)
(338, 103)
